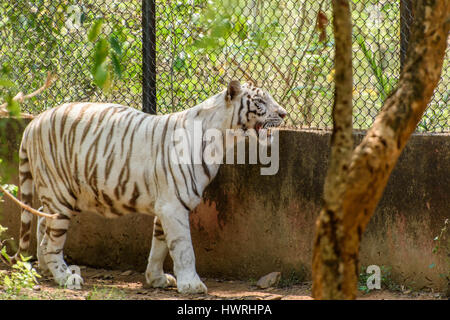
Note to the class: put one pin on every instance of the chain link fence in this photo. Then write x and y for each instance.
(193, 48)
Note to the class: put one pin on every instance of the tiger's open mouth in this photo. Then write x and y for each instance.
(268, 125)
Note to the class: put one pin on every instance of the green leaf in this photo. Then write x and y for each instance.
(100, 75)
(2, 229)
(11, 188)
(115, 45)
(206, 43)
(222, 29)
(101, 52)
(116, 64)
(5, 69)
(178, 64)
(4, 254)
(4, 82)
(24, 259)
(12, 106)
(99, 69)
(384, 86)
(7, 281)
(95, 30)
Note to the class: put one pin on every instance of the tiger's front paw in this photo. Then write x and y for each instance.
(189, 286)
(72, 278)
(164, 281)
(74, 282)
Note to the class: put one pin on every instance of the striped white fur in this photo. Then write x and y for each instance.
(114, 160)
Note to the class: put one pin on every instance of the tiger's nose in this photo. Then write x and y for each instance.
(282, 113)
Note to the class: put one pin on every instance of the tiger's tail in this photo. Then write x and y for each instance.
(26, 195)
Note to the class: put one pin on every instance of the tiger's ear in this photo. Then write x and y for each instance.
(234, 88)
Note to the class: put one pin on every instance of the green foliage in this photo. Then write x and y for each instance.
(362, 280)
(63, 37)
(6, 83)
(183, 78)
(2, 229)
(201, 45)
(384, 84)
(23, 275)
(443, 243)
(7, 86)
(106, 57)
(295, 277)
(95, 30)
(226, 23)
(247, 39)
(386, 279)
(28, 30)
(11, 188)
(441, 236)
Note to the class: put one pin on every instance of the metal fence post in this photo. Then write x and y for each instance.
(406, 20)
(148, 56)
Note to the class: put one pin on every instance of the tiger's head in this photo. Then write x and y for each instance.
(254, 108)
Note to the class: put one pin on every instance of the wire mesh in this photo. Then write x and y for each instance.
(198, 46)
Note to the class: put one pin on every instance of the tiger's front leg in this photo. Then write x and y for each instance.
(175, 223)
(154, 275)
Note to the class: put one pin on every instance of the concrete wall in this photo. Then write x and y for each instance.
(249, 224)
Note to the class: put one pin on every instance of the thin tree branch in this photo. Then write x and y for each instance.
(296, 72)
(20, 97)
(286, 80)
(25, 206)
(246, 75)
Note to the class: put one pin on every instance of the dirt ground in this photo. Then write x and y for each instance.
(103, 284)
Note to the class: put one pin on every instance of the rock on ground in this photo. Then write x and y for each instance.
(269, 280)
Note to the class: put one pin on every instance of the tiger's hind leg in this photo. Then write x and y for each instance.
(42, 244)
(55, 238)
(154, 275)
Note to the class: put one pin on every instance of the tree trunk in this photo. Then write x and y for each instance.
(352, 192)
(329, 231)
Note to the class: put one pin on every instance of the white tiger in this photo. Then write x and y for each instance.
(114, 160)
